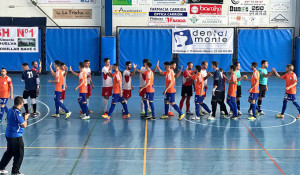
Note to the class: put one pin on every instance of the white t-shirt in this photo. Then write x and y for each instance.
(88, 73)
(107, 80)
(142, 80)
(204, 74)
(126, 85)
(65, 79)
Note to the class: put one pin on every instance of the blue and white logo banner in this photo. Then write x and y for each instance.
(203, 40)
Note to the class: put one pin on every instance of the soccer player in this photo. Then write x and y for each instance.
(173, 66)
(187, 88)
(205, 75)
(217, 91)
(5, 87)
(170, 91)
(142, 83)
(231, 95)
(199, 94)
(83, 90)
(263, 80)
(290, 91)
(127, 86)
(38, 69)
(149, 86)
(31, 85)
(224, 78)
(107, 84)
(117, 93)
(254, 91)
(239, 86)
(90, 84)
(58, 81)
(64, 70)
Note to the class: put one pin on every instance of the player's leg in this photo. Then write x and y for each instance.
(106, 93)
(150, 99)
(88, 97)
(238, 98)
(114, 100)
(85, 109)
(62, 97)
(25, 101)
(175, 106)
(59, 104)
(3, 102)
(33, 102)
(124, 104)
(166, 101)
(183, 97)
(145, 101)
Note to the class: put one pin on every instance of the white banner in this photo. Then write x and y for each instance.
(66, 1)
(203, 40)
(19, 39)
(168, 16)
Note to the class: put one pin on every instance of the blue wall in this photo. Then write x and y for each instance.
(72, 46)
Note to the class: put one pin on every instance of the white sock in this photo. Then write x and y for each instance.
(87, 102)
(62, 101)
(105, 102)
(142, 105)
(170, 107)
(126, 101)
(148, 105)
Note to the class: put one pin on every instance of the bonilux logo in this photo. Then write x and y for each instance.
(206, 9)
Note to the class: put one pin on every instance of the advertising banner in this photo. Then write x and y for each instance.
(66, 1)
(203, 40)
(206, 9)
(168, 16)
(19, 39)
(72, 13)
(206, 1)
(248, 12)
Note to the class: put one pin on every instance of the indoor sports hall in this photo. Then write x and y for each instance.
(141, 54)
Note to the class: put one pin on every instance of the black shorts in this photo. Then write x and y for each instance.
(31, 94)
(218, 96)
(262, 90)
(223, 95)
(187, 91)
(239, 91)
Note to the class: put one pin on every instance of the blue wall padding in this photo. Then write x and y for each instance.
(13, 61)
(297, 63)
(108, 49)
(72, 46)
(137, 44)
(225, 60)
(273, 45)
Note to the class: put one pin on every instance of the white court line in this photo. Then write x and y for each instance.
(198, 123)
(48, 111)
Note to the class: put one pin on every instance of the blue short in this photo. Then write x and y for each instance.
(199, 99)
(290, 97)
(149, 96)
(231, 99)
(253, 96)
(57, 96)
(116, 98)
(170, 97)
(3, 101)
(82, 97)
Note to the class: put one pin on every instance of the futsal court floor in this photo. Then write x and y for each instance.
(163, 147)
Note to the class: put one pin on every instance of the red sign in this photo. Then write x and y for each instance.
(206, 9)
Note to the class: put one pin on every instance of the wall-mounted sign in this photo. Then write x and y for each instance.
(72, 13)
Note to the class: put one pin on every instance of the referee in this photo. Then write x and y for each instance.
(14, 131)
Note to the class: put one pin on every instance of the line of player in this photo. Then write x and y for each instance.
(119, 87)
